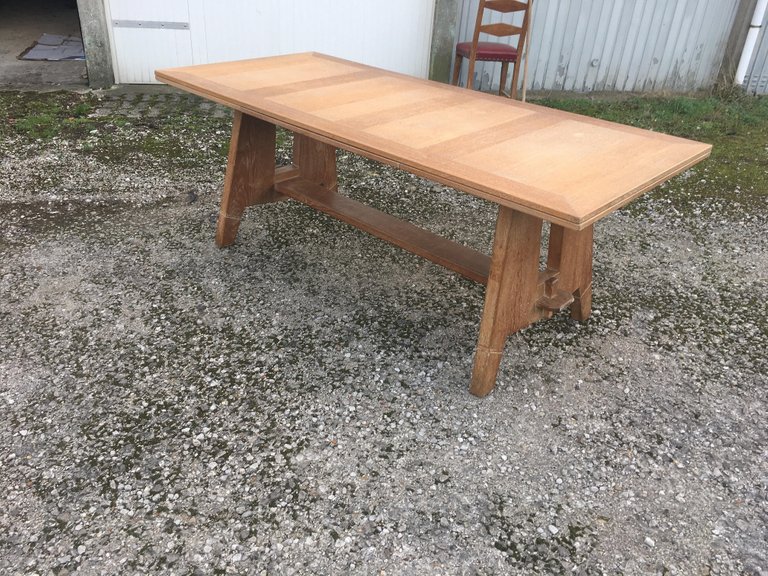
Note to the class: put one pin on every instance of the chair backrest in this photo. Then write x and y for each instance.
(501, 28)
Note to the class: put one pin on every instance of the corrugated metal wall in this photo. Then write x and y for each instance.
(756, 81)
(395, 35)
(622, 45)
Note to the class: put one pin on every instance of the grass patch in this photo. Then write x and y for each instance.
(183, 135)
(45, 116)
(701, 118)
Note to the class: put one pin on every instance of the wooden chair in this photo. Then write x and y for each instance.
(477, 51)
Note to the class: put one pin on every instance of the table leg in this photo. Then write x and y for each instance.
(510, 298)
(316, 161)
(250, 174)
(570, 253)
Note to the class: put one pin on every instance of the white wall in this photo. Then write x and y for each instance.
(394, 34)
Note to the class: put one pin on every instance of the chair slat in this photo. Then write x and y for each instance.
(501, 29)
(497, 51)
(506, 5)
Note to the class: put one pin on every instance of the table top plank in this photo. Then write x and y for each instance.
(568, 169)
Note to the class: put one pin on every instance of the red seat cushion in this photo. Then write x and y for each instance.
(489, 51)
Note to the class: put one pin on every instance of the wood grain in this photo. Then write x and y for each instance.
(316, 161)
(570, 253)
(565, 168)
(506, 5)
(500, 29)
(510, 299)
(250, 173)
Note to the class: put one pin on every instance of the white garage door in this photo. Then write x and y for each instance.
(147, 34)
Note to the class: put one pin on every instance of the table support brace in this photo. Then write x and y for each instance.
(570, 252)
(517, 293)
(250, 176)
(510, 298)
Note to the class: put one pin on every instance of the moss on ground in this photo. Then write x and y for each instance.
(115, 130)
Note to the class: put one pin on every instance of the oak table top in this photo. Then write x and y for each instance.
(562, 167)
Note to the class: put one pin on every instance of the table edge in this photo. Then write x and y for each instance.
(555, 217)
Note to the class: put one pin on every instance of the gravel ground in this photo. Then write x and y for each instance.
(297, 403)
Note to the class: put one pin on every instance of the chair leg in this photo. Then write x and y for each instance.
(457, 69)
(471, 74)
(515, 73)
(503, 78)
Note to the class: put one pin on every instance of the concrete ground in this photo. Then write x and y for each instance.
(22, 22)
(297, 403)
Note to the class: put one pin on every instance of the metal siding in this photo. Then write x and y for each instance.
(590, 22)
(606, 67)
(653, 78)
(598, 23)
(756, 80)
(621, 45)
(641, 47)
(668, 55)
(394, 35)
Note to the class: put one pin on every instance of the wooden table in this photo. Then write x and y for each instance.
(535, 163)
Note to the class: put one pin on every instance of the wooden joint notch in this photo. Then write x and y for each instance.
(551, 298)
